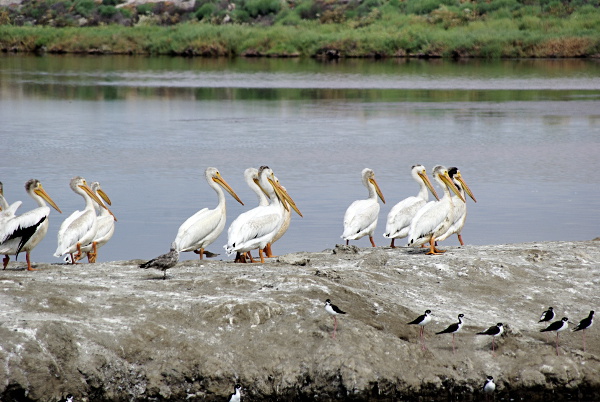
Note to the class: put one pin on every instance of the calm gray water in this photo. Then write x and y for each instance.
(525, 134)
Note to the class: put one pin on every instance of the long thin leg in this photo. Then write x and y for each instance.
(29, 262)
(334, 326)
(556, 343)
(453, 346)
(460, 239)
(584, 340)
(262, 257)
(347, 242)
(372, 242)
(5, 261)
(392, 243)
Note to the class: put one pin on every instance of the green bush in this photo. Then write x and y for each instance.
(84, 7)
(256, 8)
(420, 7)
(205, 11)
(145, 9)
(107, 11)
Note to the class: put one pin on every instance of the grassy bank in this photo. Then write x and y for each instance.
(387, 29)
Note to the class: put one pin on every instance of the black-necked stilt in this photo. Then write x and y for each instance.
(489, 387)
(334, 311)
(557, 326)
(237, 394)
(585, 324)
(452, 329)
(547, 315)
(68, 398)
(421, 321)
(493, 331)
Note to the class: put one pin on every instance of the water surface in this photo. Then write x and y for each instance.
(525, 134)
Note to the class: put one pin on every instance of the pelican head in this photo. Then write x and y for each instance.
(454, 174)
(440, 173)
(419, 173)
(213, 174)
(98, 190)
(34, 187)
(80, 186)
(368, 177)
(266, 173)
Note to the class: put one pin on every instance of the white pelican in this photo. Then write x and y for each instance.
(361, 216)
(106, 224)
(24, 232)
(80, 228)
(436, 217)
(460, 208)
(400, 216)
(255, 228)
(287, 218)
(203, 228)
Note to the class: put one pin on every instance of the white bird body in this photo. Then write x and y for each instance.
(206, 225)
(105, 224)
(361, 216)
(436, 217)
(80, 228)
(460, 208)
(255, 228)
(24, 232)
(402, 214)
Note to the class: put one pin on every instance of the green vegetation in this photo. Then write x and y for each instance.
(315, 28)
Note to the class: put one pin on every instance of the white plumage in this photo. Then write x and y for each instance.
(255, 228)
(436, 217)
(205, 226)
(24, 232)
(106, 224)
(401, 215)
(80, 228)
(361, 216)
(460, 208)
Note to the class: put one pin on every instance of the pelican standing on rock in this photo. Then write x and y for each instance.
(287, 219)
(361, 216)
(460, 208)
(80, 228)
(106, 224)
(203, 228)
(400, 216)
(24, 232)
(436, 217)
(255, 228)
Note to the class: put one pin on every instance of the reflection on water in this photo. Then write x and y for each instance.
(525, 135)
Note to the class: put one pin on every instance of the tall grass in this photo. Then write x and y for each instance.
(448, 31)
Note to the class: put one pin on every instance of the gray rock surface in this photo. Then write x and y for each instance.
(112, 331)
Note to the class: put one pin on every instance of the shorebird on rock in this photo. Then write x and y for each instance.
(421, 321)
(164, 262)
(334, 311)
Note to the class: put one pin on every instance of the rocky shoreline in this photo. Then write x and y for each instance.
(112, 331)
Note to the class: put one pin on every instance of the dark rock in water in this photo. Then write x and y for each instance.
(106, 333)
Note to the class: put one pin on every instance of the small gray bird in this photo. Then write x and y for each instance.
(164, 262)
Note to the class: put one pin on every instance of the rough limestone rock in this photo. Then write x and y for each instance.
(114, 332)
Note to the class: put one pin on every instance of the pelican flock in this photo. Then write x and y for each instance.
(361, 216)
(85, 231)
(402, 214)
(24, 232)
(80, 228)
(256, 228)
(436, 217)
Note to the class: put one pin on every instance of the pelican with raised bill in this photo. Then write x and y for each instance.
(206, 225)
(460, 208)
(361, 216)
(255, 228)
(287, 219)
(106, 224)
(80, 228)
(24, 232)
(400, 216)
(436, 217)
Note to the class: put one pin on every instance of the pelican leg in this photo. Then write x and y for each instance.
(433, 250)
(347, 242)
(392, 243)
(460, 240)
(249, 255)
(79, 254)
(5, 261)
(201, 252)
(372, 241)
(29, 262)
(262, 257)
(268, 251)
(94, 252)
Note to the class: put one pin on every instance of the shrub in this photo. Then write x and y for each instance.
(205, 11)
(256, 8)
(84, 7)
(107, 11)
